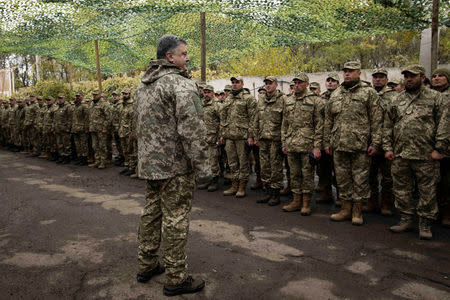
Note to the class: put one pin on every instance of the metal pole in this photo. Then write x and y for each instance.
(203, 45)
(434, 35)
(99, 75)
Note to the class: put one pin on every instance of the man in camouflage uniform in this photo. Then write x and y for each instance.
(440, 81)
(115, 120)
(172, 150)
(211, 119)
(12, 124)
(379, 163)
(126, 134)
(325, 168)
(352, 134)
(29, 130)
(411, 139)
(39, 125)
(266, 131)
(301, 137)
(62, 123)
(80, 128)
(227, 90)
(315, 88)
(236, 115)
(48, 131)
(99, 126)
(6, 133)
(20, 119)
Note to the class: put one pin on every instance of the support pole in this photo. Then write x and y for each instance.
(203, 45)
(99, 75)
(434, 35)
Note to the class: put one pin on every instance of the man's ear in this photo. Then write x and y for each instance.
(169, 56)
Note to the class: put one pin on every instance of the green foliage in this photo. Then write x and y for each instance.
(53, 88)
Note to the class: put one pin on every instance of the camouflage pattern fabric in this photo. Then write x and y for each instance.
(49, 138)
(31, 113)
(62, 123)
(168, 203)
(80, 128)
(63, 143)
(13, 125)
(99, 144)
(271, 163)
(116, 111)
(444, 184)
(211, 118)
(169, 129)
(99, 121)
(237, 159)
(125, 132)
(301, 173)
(20, 117)
(6, 131)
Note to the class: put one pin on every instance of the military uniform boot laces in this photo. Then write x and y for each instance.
(405, 224)
(189, 286)
(425, 229)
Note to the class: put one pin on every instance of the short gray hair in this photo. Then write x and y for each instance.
(166, 43)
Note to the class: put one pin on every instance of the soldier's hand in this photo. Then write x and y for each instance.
(372, 151)
(328, 150)
(250, 142)
(389, 155)
(316, 153)
(435, 155)
(284, 150)
(221, 141)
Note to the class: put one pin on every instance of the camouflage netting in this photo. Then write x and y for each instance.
(128, 30)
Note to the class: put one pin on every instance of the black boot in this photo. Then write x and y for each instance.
(275, 199)
(83, 161)
(267, 196)
(214, 185)
(66, 160)
(60, 159)
(189, 286)
(54, 157)
(123, 171)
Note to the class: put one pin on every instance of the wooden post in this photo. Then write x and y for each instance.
(99, 75)
(434, 35)
(203, 45)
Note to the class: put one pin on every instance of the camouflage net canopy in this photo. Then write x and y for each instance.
(128, 30)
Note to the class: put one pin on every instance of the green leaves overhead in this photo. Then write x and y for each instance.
(128, 30)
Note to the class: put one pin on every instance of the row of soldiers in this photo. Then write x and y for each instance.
(354, 134)
(83, 131)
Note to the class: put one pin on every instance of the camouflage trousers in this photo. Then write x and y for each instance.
(63, 143)
(129, 147)
(49, 141)
(352, 175)
(5, 136)
(118, 143)
(81, 143)
(213, 157)
(302, 173)
(24, 139)
(444, 184)
(271, 163)
(14, 136)
(237, 159)
(109, 139)
(165, 216)
(99, 144)
(37, 140)
(28, 134)
(425, 174)
(380, 164)
(254, 151)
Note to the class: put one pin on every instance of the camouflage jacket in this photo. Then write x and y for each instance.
(412, 125)
(116, 109)
(326, 95)
(5, 117)
(236, 115)
(126, 119)
(443, 132)
(80, 118)
(39, 120)
(170, 131)
(302, 127)
(12, 116)
(48, 118)
(31, 112)
(353, 119)
(386, 95)
(20, 117)
(266, 124)
(62, 118)
(211, 110)
(100, 116)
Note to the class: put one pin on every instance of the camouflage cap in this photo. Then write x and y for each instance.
(79, 93)
(301, 76)
(31, 95)
(126, 91)
(208, 88)
(115, 93)
(227, 88)
(61, 96)
(314, 85)
(380, 71)
(201, 84)
(397, 80)
(5, 101)
(238, 78)
(270, 78)
(352, 65)
(262, 88)
(95, 92)
(334, 76)
(442, 71)
(49, 98)
(39, 98)
(12, 99)
(20, 100)
(414, 69)
(292, 83)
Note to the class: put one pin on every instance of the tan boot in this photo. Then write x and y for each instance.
(344, 214)
(241, 189)
(425, 229)
(101, 166)
(446, 215)
(295, 203)
(286, 191)
(44, 155)
(405, 224)
(93, 165)
(258, 183)
(357, 217)
(326, 196)
(233, 188)
(306, 207)
(387, 200)
(372, 205)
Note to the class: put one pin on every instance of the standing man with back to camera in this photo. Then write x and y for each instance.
(172, 152)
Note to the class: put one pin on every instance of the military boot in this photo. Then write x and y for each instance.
(214, 185)
(66, 160)
(84, 161)
(326, 196)
(54, 157)
(241, 189)
(295, 203)
(258, 183)
(405, 224)
(60, 159)
(286, 191)
(445, 212)
(357, 217)
(44, 155)
(93, 165)
(344, 214)
(387, 200)
(123, 171)
(372, 205)
(425, 229)
(102, 166)
(275, 199)
(233, 189)
(189, 286)
(203, 186)
(267, 196)
(306, 205)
